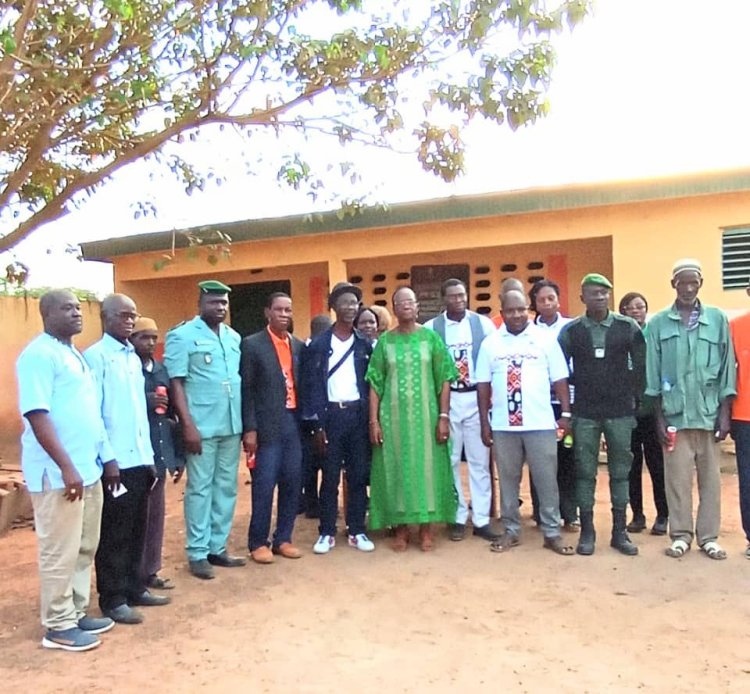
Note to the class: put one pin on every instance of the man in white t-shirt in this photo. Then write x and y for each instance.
(463, 332)
(515, 368)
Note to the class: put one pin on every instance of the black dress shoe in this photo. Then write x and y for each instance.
(124, 614)
(456, 532)
(200, 568)
(148, 599)
(660, 526)
(225, 560)
(638, 524)
(487, 533)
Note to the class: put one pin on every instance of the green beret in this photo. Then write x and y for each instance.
(596, 278)
(214, 287)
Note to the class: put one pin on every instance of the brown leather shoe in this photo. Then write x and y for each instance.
(287, 550)
(262, 555)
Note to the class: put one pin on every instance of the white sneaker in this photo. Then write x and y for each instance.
(324, 544)
(361, 542)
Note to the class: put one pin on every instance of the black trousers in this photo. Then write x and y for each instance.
(123, 535)
(645, 444)
(311, 465)
(348, 447)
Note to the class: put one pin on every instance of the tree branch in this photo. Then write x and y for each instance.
(55, 208)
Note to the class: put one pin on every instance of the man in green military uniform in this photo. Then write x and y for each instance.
(607, 354)
(202, 357)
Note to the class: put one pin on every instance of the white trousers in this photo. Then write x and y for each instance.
(466, 435)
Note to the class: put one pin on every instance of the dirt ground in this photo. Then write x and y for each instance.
(458, 619)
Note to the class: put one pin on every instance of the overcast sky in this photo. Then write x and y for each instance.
(643, 88)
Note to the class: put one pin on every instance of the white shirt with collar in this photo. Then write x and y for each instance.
(121, 393)
(458, 339)
(541, 360)
(556, 326)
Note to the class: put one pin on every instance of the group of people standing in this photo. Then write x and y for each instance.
(398, 410)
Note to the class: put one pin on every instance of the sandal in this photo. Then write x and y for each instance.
(677, 549)
(401, 539)
(504, 543)
(557, 546)
(425, 538)
(713, 550)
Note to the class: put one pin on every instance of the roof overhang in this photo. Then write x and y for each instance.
(435, 210)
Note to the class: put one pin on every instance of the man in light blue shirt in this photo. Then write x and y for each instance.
(62, 444)
(127, 479)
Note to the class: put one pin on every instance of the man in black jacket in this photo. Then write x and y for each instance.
(269, 366)
(335, 403)
(168, 454)
(607, 354)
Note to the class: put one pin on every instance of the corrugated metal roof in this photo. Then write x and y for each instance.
(441, 209)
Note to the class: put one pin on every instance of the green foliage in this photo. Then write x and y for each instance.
(88, 86)
(11, 289)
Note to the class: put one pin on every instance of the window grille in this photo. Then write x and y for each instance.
(735, 258)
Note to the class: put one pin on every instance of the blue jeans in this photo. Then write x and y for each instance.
(277, 463)
(741, 436)
(348, 445)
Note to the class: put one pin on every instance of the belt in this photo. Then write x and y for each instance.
(344, 405)
(467, 389)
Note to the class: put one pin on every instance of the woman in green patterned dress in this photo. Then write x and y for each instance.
(411, 481)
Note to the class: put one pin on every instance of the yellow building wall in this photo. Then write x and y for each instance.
(171, 300)
(573, 258)
(654, 236)
(644, 240)
(21, 323)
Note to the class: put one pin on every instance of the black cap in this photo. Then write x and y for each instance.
(343, 288)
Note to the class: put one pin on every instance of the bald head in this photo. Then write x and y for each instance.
(53, 298)
(515, 311)
(118, 316)
(513, 297)
(511, 284)
(61, 314)
(115, 302)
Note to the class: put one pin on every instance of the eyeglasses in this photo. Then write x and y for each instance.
(405, 302)
(128, 315)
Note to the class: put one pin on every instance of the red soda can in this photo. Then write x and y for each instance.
(161, 390)
(250, 462)
(671, 438)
